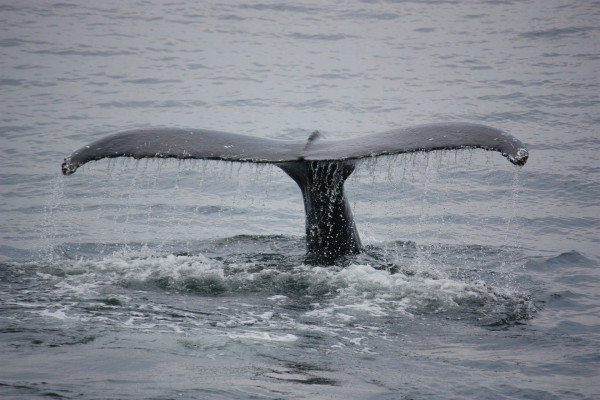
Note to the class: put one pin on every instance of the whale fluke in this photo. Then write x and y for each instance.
(214, 145)
(319, 167)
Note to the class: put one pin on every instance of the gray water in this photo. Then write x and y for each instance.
(165, 279)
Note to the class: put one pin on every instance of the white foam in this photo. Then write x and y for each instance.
(58, 314)
(278, 297)
(346, 300)
(263, 336)
(366, 292)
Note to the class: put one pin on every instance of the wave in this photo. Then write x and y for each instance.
(393, 280)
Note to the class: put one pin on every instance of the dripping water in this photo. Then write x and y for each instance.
(141, 217)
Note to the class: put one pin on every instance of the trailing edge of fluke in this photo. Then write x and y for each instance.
(318, 166)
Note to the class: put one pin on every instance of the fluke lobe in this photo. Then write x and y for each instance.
(318, 166)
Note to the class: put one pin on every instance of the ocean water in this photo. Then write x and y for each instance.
(186, 280)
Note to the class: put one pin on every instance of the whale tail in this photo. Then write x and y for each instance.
(330, 229)
(319, 167)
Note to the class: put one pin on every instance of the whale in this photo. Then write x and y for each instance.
(318, 166)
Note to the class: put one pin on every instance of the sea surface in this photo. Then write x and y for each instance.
(187, 280)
